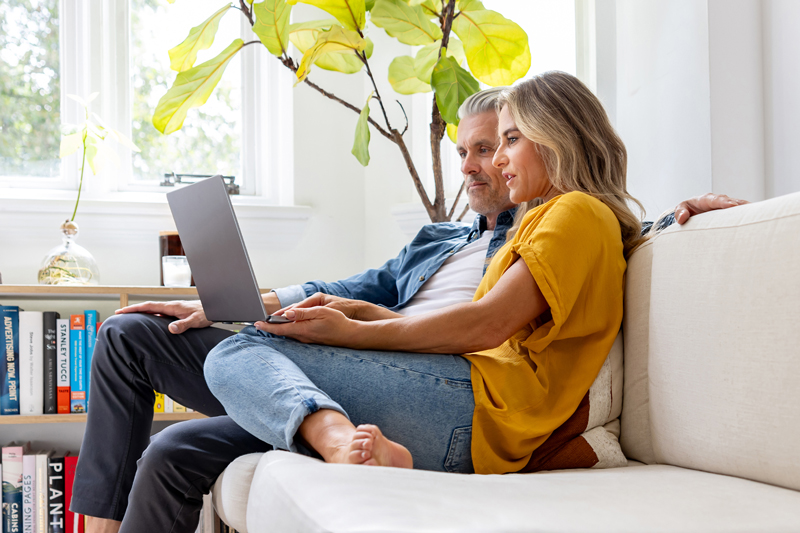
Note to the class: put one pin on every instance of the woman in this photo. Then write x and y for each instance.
(533, 340)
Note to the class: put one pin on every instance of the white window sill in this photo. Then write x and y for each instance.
(126, 204)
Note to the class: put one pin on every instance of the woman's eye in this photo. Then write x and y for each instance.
(512, 140)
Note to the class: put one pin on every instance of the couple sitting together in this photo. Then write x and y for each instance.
(465, 353)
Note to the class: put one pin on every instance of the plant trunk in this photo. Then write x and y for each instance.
(438, 126)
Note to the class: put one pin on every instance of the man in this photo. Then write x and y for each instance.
(137, 353)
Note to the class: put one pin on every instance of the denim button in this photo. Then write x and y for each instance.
(422, 278)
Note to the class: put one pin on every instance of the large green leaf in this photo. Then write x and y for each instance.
(351, 13)
(361, 142)
(428, 55)
(452, 132)
(304, 34)
(409, 24)
(469, 5)
(191, 89)
(337, 39)
(201, 37)
(271, 26)
(403, 78)
(497, 49)
(369, 4)
(452, 85)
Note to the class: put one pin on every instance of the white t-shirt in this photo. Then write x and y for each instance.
(455, 281)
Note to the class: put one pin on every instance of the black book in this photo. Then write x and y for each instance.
(55, 495)
(50, 370)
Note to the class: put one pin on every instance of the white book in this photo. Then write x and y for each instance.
(169, 405)
(42, 508)
(28, 493)
(31, 363)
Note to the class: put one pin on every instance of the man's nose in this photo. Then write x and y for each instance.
(470, 166)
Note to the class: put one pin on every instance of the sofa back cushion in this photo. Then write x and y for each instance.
(724, 343)
(635, 432)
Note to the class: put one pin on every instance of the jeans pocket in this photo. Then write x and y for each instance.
(459, 456)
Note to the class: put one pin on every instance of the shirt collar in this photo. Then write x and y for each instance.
(504, 221)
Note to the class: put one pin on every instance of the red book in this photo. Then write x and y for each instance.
(70, 518)
(62, 363)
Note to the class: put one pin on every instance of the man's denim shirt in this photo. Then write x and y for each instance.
(393, 284)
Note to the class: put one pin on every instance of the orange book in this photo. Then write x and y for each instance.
(62, 366)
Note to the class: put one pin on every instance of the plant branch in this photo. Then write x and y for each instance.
(423, 194)
(363, 57)
(464, 212)
(455, 202)
(288, 63)
(246, 10)
(437, 134)
(403, 109)
(448, 12)
(80, 184)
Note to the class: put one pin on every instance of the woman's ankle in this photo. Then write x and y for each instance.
(328, 432)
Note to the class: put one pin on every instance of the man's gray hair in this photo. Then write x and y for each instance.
(480, 102)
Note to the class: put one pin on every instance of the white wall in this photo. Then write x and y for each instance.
(703, 92)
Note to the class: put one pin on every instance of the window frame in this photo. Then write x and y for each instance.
(95, 56)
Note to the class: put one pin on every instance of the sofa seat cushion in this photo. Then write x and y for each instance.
(232, 489)
(294, 493)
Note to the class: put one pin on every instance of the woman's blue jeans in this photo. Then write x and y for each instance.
(269, 384)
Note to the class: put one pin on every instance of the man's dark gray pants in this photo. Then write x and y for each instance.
(135, 353)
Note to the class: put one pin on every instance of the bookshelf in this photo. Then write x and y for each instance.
(65, 431)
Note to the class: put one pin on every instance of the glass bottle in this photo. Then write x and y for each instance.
(69, 263)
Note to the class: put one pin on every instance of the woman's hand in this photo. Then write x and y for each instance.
(190, 313)
(352, 309)
(317, 325)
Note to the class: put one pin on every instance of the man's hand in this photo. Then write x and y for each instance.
(190, 313)
(702, 204)
(318, 325)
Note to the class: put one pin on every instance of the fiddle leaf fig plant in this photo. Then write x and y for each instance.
(461, 43)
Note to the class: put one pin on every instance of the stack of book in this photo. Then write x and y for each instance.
(37, 490)
(165, 404)
(46, 361)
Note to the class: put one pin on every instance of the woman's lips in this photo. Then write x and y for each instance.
(508, 176)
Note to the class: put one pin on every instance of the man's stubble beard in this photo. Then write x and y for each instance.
(485, 200)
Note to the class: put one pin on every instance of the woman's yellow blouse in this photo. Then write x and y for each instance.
(531, 384)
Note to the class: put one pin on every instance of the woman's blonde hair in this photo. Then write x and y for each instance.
(577, 143)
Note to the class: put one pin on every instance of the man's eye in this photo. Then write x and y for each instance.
(462, 155)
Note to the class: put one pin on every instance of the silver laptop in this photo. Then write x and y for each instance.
(216, 253)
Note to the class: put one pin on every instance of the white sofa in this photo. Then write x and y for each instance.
(710, 419)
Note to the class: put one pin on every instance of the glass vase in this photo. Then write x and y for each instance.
(69, 263)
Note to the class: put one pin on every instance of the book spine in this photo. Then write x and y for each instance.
(158, 405)
(41, 493)
(70, 518)
(168, 404)
(28, 493)
(50, 378)
(9, 380)
(62, 355)
(12, 489)
(178, 408)
(91, 336)
(31, 363)
(55, 496)
(77, 385)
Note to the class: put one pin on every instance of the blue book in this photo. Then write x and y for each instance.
(9, 366)
(91, 336)
(77, 343)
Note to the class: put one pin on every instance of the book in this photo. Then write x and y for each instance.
(31, 363)
(169, 405)
(77, 383)
(62, 359)
(91, 335)
(55, 496)
(28, 493)
(158, 405)
(9, 377)
(12, 489)
(73, 521)
(178, 408)
(50, 377)
(41, 492)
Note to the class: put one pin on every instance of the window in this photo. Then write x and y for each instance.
(30, 98)
(52, 48)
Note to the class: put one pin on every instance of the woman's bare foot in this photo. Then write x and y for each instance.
(370, 447)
